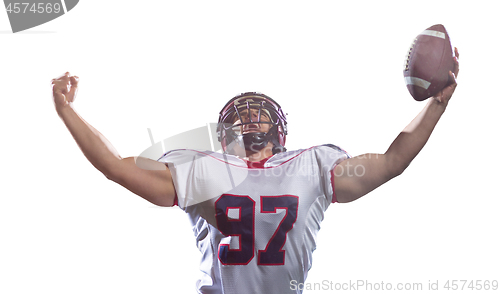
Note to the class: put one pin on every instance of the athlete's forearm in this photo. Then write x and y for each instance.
(93, 144)
(413, 138)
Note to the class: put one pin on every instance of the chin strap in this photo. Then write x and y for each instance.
(257, 141)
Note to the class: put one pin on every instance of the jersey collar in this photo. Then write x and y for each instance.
(257, 164)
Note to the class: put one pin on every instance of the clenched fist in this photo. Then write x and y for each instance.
(64, 89)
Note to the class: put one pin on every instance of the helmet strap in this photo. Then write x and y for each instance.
(255, 141)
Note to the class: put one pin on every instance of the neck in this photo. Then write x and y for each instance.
(260, 155)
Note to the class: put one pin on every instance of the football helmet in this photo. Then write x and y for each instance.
(230, 134)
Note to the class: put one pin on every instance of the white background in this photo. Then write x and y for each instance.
(335, 68)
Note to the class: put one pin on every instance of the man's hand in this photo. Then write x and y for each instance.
(64, 89)
(444, 96)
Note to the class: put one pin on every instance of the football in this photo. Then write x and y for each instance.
(428, 62)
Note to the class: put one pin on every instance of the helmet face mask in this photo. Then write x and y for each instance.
(251, 109)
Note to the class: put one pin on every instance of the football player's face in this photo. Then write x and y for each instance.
(253, 116)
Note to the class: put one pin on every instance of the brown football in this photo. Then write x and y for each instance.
(428, 62)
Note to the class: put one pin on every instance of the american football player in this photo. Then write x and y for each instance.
(256, 208)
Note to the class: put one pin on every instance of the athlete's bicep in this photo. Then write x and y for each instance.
(147, 178)
(355, 177)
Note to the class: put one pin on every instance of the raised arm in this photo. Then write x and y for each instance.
(154, 183)
(359, 175)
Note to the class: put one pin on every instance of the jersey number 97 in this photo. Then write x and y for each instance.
(243, 226)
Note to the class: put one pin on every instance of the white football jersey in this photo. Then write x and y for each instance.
(255, 223)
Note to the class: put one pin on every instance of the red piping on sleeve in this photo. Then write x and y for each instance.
(176, 201)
